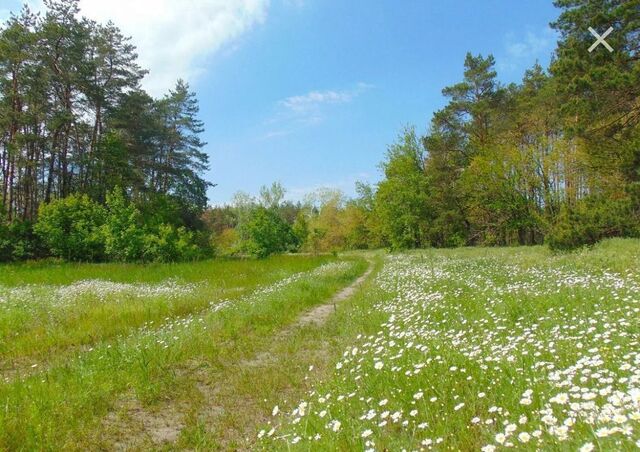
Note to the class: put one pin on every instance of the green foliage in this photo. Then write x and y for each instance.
(226, 243)
(591, 220)
(356, 228)
(24, 243)
(599, 89)
(267, 233)
(128, 238)
(159, 209)
(6, 244)
(555, 156)
(170, 244)
(327, 221)
(401, 199)
(17, 240)
(78, 229)
(71, 228)
(123, 231)
(272, 197)
(315, 239)
(300, 228)
(74, 120)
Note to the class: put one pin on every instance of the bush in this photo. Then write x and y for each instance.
(24, 242)
(267, 233)
(71, 228)
(123, 232)
(129, 239)
(169, 244)
(300, 229)
(78, 229)
(17, 240)
(6, 244)
(226, 243)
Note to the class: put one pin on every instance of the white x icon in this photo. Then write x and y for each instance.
(600, 39)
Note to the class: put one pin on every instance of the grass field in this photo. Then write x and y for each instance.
(463, 349)
(483, 349)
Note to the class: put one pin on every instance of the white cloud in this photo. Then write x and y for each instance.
(528, 48)
(175, 37)
(305, 103)
(274, 134)
(315, 98)
(532, 44)
(309, 109)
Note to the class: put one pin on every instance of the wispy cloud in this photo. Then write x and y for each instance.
(176, 38)
(524, 50)
(313, 100)
(309, 109)
(275, 134)
(346, 185)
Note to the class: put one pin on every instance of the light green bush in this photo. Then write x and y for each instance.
(71, 228)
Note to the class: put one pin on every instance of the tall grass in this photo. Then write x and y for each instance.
(69, 400)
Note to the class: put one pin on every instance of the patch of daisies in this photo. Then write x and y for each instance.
(171, 330)
(59, 296)
(482, 354)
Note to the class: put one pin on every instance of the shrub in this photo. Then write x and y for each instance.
(169, 244)
(17, 240)
(226, 243)
(300, 229)
(124, 235)
(267, 233)
(6, 242)
(24, 242)
(71, 228)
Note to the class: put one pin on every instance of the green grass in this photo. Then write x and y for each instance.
(465, 338)
(36, 323)
(69, 399)
(462, 336)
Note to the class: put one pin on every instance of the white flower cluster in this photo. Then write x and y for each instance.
(100, 290)
(556, 348)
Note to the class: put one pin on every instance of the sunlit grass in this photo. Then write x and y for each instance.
(81, 304)
(71, 398)
(462, 349)
(483, 348)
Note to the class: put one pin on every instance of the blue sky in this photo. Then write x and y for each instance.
(387, 65)
(311, 92)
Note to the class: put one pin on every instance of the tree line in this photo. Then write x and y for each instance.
(75, 123)
(553, 159)
(94, 168)
(326, 220)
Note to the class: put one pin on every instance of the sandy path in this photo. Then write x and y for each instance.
(163, 426)
(319, 315)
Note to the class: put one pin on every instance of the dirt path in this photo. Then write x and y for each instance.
(230, 410)
(266, 366)
(319, 315)
(316, 316)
